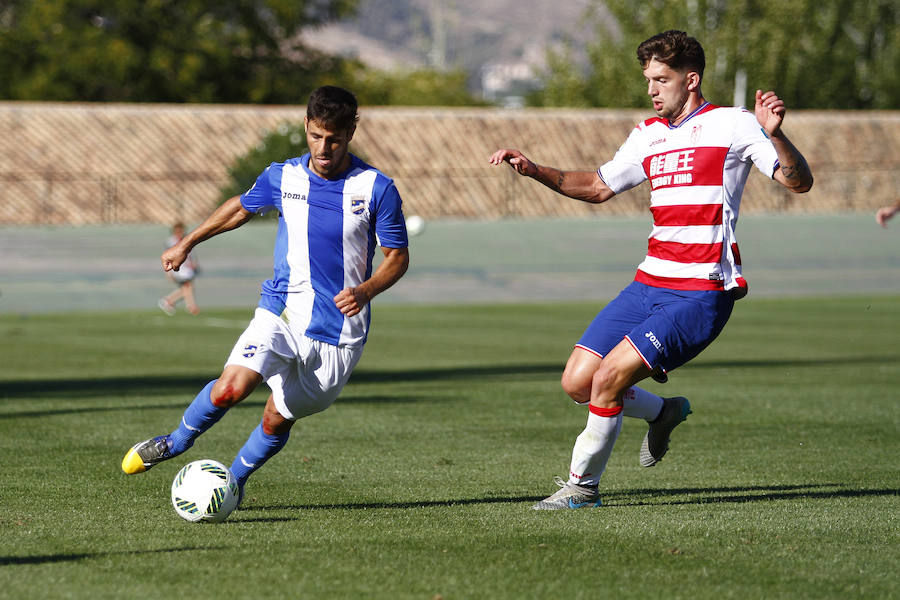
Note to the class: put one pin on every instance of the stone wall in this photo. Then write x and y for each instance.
(72, 164)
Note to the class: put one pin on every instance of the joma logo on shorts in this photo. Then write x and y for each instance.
(653, 340)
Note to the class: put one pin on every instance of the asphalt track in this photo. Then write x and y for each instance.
(113, 268)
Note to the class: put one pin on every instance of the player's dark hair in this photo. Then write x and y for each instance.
(332, 107)
(675, 49)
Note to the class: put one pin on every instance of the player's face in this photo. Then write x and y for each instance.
(328, 149)
(669, 89)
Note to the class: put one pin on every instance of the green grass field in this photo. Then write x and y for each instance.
(418, 483)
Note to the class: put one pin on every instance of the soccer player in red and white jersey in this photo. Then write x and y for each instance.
(697, 157)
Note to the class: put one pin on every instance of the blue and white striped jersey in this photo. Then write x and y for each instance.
(326, 240)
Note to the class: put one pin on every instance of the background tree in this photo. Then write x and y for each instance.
(825, 54)
(420, 87)
(162, 50)
(234, 51)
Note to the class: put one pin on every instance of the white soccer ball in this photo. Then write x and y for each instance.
(205, 490)
(415, 225)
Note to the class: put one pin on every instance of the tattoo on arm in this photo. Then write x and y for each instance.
(797, 171)
(559, 180)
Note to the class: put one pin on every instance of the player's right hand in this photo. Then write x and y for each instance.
(172, 259)
(516, 160)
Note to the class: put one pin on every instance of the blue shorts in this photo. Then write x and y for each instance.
(667, 327)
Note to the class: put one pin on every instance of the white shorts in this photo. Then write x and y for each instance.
(305, 375)
(183, 275)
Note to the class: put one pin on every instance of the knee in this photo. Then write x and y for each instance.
(228, 391)
(275, 424)
(605, 387)
(576, 388)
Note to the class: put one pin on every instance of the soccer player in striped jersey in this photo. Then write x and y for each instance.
(308, 332)
(696, 157)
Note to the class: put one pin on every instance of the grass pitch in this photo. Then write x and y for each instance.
(418, 483)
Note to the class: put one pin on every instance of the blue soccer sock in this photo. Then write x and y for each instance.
(199, 416)
(259, 448)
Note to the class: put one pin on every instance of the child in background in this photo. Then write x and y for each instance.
(183, 278)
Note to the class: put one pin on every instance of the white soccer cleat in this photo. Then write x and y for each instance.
(570, 495)
(656, 441)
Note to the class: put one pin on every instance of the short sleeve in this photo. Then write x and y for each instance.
(390, 226)
(752, 144)
(259, 198)
(626, 169)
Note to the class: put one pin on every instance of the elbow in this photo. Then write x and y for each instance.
(601, 195)
(804, 186)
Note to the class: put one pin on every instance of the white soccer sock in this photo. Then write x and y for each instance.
(641, 404)
(594, 445)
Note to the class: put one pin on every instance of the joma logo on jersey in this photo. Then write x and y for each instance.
(654, 340)
(250, 350)
(292, 196)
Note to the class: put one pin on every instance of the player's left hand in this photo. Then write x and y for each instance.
(769, 111)
(351, 300)
(516, 160)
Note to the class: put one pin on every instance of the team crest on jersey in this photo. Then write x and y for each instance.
(695, 133)
(357, 204)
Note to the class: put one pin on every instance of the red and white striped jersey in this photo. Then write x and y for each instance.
(697, 171)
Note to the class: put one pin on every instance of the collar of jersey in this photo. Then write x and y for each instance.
(689, 117)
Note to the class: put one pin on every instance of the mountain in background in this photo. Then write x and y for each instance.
(501, 44)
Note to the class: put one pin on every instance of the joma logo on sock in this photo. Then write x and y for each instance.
(654, 340)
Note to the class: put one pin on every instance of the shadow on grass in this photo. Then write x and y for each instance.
(792, 362)
(740, 494)
(187, 386)
(106, 386)
(191, 384)
(43, 559)
(624, 498)
(148, 385)
(179, 405)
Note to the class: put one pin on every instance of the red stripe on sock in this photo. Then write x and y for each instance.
(606, 412)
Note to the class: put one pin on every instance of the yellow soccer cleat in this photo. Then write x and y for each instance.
(145, 454)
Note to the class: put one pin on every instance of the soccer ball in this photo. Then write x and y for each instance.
(205, 490)
(415, 225)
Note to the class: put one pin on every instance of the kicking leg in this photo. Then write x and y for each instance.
(208, 407)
